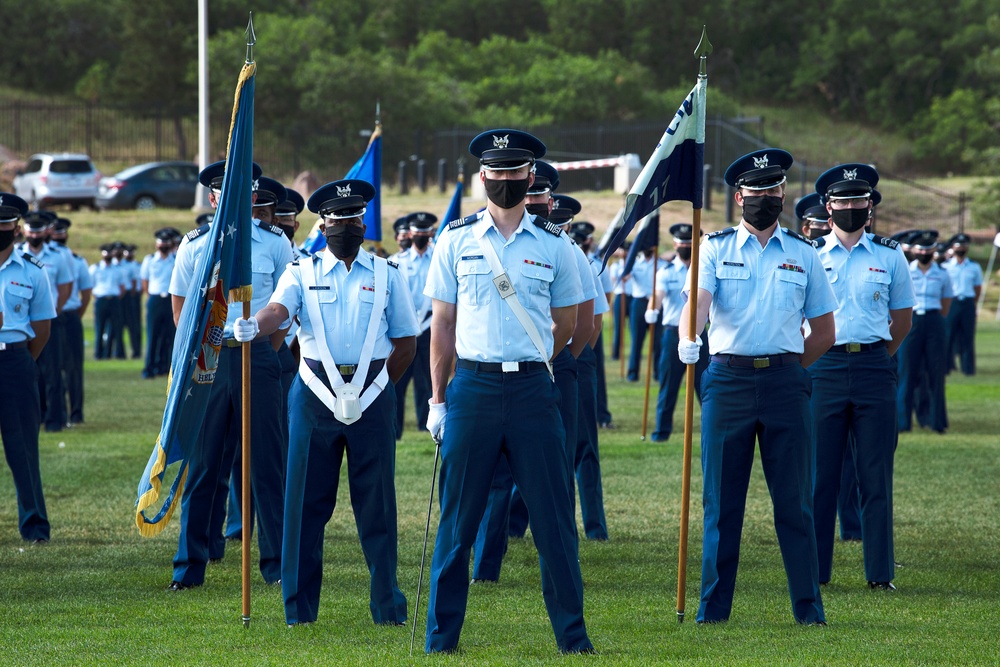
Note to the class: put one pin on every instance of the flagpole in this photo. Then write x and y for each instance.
(702, 51)
(245, 501)
(652, 333)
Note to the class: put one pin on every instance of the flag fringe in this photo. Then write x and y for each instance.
(148, 528)
(241, 293)
(249, 69)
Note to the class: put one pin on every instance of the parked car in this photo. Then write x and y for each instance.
(58, 178)
(145, 186)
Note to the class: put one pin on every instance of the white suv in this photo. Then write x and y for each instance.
(58, 178)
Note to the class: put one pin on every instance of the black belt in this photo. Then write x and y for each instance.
(13, 346)
(347, 371)
(740, 361)
(922, 312)
(494, 367)
(858, 347)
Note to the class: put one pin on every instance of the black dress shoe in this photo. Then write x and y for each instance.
(590, 650)
(178, 586)
(881, 586)
(816, 624)
(41, 541)
(485, 581)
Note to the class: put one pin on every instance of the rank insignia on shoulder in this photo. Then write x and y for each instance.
(455, 224)
(796, 235)
(888, 243)
(722, 232)
(274, 229)
(195, 233)
(551, 228)
(32, 260)
(820, 242)
(393, 264)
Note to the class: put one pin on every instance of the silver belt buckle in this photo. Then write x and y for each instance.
(761, 362)
(346, 369)
(509, 366)
(920, 311)
(854, 347)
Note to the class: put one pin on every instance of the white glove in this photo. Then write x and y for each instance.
(245, 330)
(652, 316)
(435, 419)
(689, 350)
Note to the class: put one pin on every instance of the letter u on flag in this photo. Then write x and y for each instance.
(675, 170)
(222, 274)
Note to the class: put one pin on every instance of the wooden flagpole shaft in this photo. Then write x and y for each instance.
(245, 503)
(688, 417)
(652, 340)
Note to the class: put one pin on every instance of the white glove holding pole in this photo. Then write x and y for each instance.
(652, 316)
(689, 350)
(245, 330)
(435, 419)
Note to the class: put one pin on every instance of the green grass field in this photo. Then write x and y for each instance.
(95, 595)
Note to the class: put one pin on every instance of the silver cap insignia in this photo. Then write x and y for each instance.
(499, 142)
(760, 163)
(344, 191)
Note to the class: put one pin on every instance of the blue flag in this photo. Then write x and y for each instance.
(368, 168)
(454, 211)
(648, 236)
(222, 274)
(675, 170)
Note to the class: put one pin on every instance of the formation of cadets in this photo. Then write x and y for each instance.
(496, 322)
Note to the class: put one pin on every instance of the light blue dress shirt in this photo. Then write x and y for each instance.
(57, 266)
(965, 277)
(414, 267)
(108, 278)
(641, 284)
(759, 295)
(868, 280)
(929, 288)
(82, 280)
(157, 270)
(670, 280)
(540, 266)
(346, 299)
(25, 297)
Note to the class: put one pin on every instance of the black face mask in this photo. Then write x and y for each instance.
(344, 240)
(289, 231)
(762, 211)
(923, 257)
(36, 242)
(960, 253)
(6, 239)
(405, 243)
(684, 253)
(814, 233)
(420, 242)
(541, 210)
(506, 193)
(850, 219)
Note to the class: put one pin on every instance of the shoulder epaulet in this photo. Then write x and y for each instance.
(393, 264)
(75, 255)
(888, 243)
(455, 224)
(195, 233)
(722, 232)
(820, 242)
(551, 228)
(295, 262)
(32, 260)
(266, 226)
(796, 235)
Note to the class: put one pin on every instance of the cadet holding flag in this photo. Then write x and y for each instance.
(357, 336)
(505, 290)
(854, 383)
(756, 280)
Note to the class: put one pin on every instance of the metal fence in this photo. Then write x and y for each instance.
(117, 137)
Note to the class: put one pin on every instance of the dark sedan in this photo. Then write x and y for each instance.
(146, 186)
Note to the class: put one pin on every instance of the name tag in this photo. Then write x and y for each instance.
(470, 257)
(319, 287)
(732, 263)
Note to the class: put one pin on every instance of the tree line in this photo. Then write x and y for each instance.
(929, 70)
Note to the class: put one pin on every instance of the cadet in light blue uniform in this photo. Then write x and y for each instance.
(670, 297)
(27, 309)
(414, 264)
(854, 383)
(622, 304)
(757, 280)
(967, 282)
(155, 275)
(132, 305)
(71, 321)
(641, 282)
(339, 285)
(502, 401)
(923, 353)
(60, 271)
(109, 289)
(607, 287)
(212, 456)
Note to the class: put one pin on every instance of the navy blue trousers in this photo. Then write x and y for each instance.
(20, 415)
(420, 372)
(211, 460)
(849, 499)
(961, 326)
(506, 513)
(638, 328)
(603, 414)
(853, 406)
(317, 445)
(50, 379)
(672, 372)
(588, 458)
(740, 407)
(923, 353)
(621, 316)
(72, 363)
(160, 331)
(516, 416)
(108, 328)
(132, 320)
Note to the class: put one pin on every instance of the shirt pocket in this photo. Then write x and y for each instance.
(475, 282)
(875, 291)
(536, 280)
(16, 304)
(263, 277)
(789, 290)
(732, 286)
